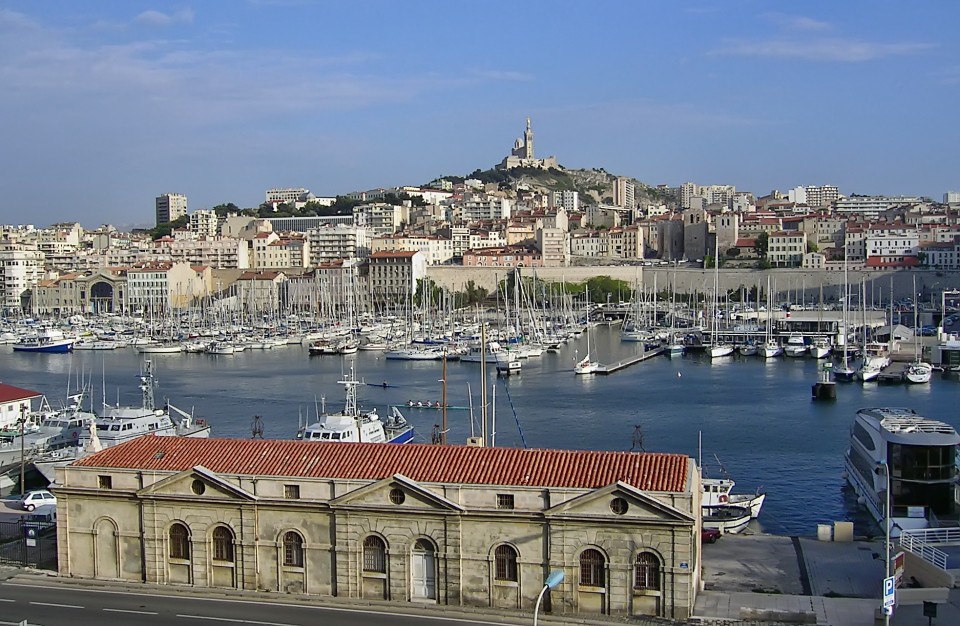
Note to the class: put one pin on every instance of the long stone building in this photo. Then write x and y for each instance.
(451, 525)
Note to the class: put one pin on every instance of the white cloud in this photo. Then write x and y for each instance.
(797, 22)
(152, 17)
(837, 50)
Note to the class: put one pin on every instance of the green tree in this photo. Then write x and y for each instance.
(733, 252)
(761, 244)
(162, 230)
(812, 247)
(223, 209)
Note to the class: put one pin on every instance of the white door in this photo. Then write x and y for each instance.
(424, 571)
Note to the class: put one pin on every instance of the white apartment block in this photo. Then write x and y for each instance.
(435, 250)
(205, 223)
(786, 249)
(569, 201)
(942, 255)
(951, 197)
(687, 192)
(270, 251)
(261, 292)
(170, 207)
(332, 243)
(588, 244)
(162, 287)
(821, 195)
(718, 194)
(332, 289)
(217, 252)
(870, 207)
(380, 218)
(22, 268)
(624, 192)
(478, 208)
(554, 246)
(891, 248)
(393, 277)
(284, 195)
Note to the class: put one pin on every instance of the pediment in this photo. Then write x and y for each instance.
(638, 506)
(382, 494)
(187, 483)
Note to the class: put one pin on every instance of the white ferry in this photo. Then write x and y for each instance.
(921, 456)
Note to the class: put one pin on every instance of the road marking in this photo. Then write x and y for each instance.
(310, 607)
(235, 621)
(131, 611)
(61, 606)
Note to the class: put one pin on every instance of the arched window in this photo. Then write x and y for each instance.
(374, 555)
(292, 549)
(222, 544)
(179, 542)
(592, 568)
(505, 558)
(647, 573)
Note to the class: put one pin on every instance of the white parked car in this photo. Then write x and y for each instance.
(36, 498)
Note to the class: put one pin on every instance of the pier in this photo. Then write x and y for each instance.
(624, 363)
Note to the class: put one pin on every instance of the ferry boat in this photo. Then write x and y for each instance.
(921, 456)
(46, 340)
(353, 425)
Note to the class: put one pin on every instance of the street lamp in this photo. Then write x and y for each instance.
(21, 421)
(554, 579)
(886, 528)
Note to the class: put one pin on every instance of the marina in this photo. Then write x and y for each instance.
(754, 413)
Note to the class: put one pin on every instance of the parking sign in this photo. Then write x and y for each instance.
(889, 592)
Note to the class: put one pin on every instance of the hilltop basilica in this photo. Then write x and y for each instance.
(522, 154)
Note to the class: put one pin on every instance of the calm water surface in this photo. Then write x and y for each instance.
(756, 416)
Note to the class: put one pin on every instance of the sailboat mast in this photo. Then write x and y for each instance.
(443, 400)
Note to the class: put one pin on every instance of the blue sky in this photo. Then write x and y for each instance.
(104, 105)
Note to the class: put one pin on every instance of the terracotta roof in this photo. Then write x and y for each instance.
(393, 254)
(9, 393)
(420, 462)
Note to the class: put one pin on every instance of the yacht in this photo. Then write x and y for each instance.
(918, 373)
(795, 346)
(45, 340)
(771, 349)
(921, 456)
(820, 349)
(119, 424)
(355, 425)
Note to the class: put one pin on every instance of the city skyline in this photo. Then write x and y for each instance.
(110, 104)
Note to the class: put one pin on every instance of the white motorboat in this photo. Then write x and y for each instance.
(508, 367)
(221, 347)
(918, 373)
(796, 345)
(160, 348)
(728, 519)
(355, 425)
(45, 340)
(920, 455)
(718, 492)
(771, 349)
(820, 349)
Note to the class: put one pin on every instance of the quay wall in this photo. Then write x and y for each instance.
(930, 283)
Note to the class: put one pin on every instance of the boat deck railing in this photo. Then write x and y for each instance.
(923, 542)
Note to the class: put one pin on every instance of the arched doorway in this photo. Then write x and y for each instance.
(101, 298)
(106, 551)
(423, 569)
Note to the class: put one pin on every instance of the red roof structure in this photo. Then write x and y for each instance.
(9, 393)
(586, 469)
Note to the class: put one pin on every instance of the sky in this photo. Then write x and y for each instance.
(106, 104)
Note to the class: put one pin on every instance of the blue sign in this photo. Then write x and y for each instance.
(889, 593)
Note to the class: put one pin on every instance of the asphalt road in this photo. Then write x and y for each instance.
(53, 605)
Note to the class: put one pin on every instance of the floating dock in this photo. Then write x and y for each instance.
(619, 365)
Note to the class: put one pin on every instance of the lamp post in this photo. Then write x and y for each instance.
(21, 421)
(886, 532)
(554, 579)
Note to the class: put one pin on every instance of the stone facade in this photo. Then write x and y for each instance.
(623, 550)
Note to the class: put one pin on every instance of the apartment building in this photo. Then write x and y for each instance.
(393, 277)
(941, 255)
(569, 201)
(341, 241)
(892, 248)
(22, 266)
(554, 246)
(217, 252)
(870, 207)
(624, 192)
(286, 195)
(205, 223)
(261, 293)
(159, 288)
(380, 218)
(786, 249)
(507, 256)
(170, 207)
(436, 250)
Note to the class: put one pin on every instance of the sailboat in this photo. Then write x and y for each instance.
(918, 372)
(717, 348)
(585, 365)
(844, 371)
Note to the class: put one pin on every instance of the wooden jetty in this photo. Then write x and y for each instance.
(619, 365)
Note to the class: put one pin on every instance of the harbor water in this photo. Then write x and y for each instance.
(756, 416)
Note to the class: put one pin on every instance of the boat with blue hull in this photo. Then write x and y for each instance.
(48, 340)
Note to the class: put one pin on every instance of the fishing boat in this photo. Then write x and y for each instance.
(920, 455)
(796, 345)
(728, 519)
(355, 425)
(718, 492)
(48, 340)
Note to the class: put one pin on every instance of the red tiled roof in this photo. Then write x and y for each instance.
(9, 393)
(584, 469)
(393, 254)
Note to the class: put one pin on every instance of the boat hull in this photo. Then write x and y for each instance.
(728, 519)
(56, 347)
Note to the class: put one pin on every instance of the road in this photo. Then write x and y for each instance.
(54, 605)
